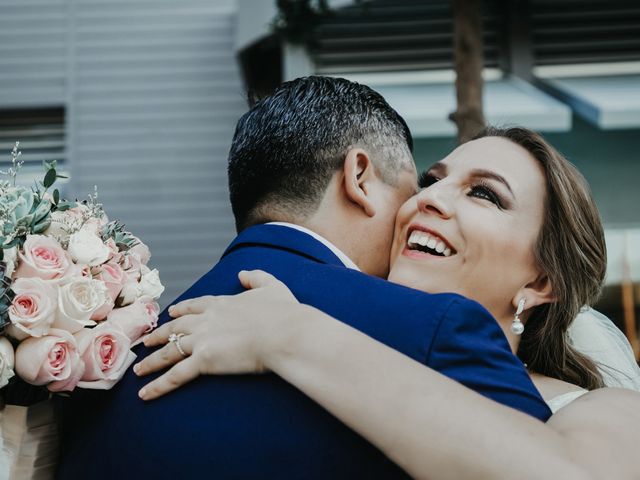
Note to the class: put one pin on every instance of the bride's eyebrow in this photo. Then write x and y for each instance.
(437, 168)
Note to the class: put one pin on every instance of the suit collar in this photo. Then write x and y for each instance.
(346, 261)
(286, 238)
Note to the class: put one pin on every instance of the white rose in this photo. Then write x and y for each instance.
(10, 258)
(7, 361)
(87, 248)
(77, 301)
(150, 284)
(141, 251)
(130, 293)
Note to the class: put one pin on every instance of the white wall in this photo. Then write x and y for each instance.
(152, 93)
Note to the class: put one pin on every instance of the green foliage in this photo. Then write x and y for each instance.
(50, 178)
(116, 231)
(25, 211)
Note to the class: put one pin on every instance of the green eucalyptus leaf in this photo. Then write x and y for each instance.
(42, 226)
(56, 195)
(49, 178)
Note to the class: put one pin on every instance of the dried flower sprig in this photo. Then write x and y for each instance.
(16, 164)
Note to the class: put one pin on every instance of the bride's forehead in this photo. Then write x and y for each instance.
(491, 153)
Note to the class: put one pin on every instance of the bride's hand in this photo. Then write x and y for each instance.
(218, 335)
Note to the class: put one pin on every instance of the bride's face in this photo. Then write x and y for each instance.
(473, 226)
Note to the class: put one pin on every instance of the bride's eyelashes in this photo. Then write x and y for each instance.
(481, 189)
(484, 191)
(426, 179)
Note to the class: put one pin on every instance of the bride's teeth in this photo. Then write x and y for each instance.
(423, 239)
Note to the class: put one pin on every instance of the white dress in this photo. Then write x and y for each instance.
(595, 335)
(556, 403)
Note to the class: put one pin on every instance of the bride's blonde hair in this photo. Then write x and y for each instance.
(570, 250)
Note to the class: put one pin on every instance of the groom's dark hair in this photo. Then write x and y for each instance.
(288, 146)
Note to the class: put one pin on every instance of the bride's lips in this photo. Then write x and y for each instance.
(424, 242)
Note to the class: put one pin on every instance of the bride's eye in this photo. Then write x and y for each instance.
(427, 179)
(484, 191)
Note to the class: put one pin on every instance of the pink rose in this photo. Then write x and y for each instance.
(75, 272)
(113, 277)
(136, 319)
(84, 271)
(52, 360)
(43, 257)
(141, 251)
(33, 309)
(106, 355)
(131, 265)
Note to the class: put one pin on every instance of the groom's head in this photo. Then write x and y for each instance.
(328, 154)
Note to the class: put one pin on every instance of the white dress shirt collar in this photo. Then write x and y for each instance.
(338, 253)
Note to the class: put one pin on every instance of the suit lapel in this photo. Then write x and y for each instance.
(284, 238)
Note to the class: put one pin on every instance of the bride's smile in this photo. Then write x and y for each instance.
(423, 242)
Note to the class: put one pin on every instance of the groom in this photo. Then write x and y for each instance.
(317, 172)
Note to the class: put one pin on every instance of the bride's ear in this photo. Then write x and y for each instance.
(537, 292)
(359, 174)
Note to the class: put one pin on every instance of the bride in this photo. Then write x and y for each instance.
(504, 220)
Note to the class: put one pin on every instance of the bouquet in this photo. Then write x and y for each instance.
(75, 290)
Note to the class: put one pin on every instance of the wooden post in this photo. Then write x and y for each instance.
(469, 62)
(628, 303)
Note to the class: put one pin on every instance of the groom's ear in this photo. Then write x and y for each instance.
(536, 292)
(359, 177)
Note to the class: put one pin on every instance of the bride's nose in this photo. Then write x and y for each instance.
(435, 200)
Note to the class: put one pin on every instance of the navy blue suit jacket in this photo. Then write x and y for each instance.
(258, 426)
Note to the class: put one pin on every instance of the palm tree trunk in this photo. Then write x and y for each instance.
(469, 61)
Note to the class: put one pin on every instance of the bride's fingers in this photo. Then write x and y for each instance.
(160, 335)
(164, 357)
(181, 373)
(191, 306)
(257, 278)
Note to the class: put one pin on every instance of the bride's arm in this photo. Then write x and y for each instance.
(428, 424)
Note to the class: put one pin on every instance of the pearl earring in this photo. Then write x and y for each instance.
(517, 327)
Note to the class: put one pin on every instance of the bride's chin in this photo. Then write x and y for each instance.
(402, 276)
